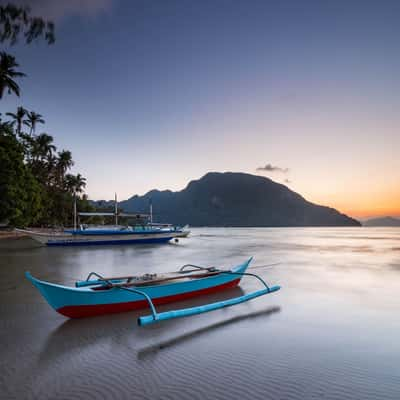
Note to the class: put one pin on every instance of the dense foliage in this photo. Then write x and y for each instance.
(20, 194)
(35, 184)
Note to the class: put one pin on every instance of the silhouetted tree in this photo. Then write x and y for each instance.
(42, 147)
(34, 184)
(8, 74)
(18, 118)
(32, 119)
(63, 163)
(75, 183)
(16, 21)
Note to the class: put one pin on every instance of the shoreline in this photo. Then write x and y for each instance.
(11, 235)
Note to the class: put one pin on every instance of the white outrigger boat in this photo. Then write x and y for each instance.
(141, 232)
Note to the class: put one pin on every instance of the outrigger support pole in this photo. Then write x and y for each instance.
(145, 295)
(116, 210)
(185, 312)
(75, 213)
(213, 269)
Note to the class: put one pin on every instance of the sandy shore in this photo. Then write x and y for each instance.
(11, 240)
(11, 234)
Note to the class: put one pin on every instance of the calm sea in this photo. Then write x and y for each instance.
(332, 332)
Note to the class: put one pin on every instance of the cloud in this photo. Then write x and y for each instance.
(273, 168)
(58, 9)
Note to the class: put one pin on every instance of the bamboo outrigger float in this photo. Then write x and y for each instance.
(111, 295)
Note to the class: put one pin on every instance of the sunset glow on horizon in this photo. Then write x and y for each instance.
(161, 94)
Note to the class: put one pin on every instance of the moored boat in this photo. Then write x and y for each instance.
(111, 295)
(101, 237)
(143, 231)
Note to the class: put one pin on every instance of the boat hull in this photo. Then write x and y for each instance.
(92, 310)
(70, 239)
(85, 302)
(109, 241)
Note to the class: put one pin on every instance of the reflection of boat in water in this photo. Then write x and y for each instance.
(109, 295)
(142, 231)
(154, 348)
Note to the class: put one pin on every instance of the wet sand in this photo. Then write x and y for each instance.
(331, 332)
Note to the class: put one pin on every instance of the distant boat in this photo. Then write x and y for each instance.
(97, 236)
(141, 232)
(110, 295)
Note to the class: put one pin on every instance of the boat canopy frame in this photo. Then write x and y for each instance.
(111, 214)
(116, 214)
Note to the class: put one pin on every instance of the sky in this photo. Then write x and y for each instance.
(154, 93)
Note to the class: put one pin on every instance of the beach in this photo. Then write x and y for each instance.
(331, 332)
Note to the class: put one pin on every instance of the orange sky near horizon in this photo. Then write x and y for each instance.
(378, 199)
(385, 203)
(354, 203)
(370, 209)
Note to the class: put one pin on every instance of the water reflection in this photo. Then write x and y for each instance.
(77, 335)
(339, 295)
(154, 348)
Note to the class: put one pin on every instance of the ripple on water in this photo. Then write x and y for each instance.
(327, 334)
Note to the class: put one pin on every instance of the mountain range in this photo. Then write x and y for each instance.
(234, 199)
(383, 221)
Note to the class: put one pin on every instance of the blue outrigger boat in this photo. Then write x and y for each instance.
(111, 295)
(107, 235)
(144, 231)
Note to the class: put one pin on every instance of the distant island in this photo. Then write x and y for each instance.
(384, 221)
(236, 200)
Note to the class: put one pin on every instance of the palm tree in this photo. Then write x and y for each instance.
(42, 147)
(80, 183)
(8, 73)
(63, 163)
(5, 127)
(33, 119)
(41, 158)
(75, 183)
(18, 118)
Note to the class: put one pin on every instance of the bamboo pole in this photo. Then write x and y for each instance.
(153, 281)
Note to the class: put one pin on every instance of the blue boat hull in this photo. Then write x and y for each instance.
(77, 302)
(107, 242)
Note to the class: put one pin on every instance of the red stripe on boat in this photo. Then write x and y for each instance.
(99, 309)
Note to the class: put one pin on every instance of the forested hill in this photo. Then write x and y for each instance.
(235, 199)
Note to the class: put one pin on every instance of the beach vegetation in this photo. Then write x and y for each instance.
(36, 183)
